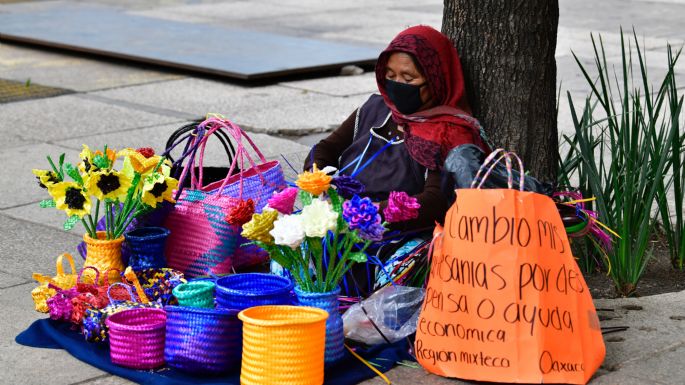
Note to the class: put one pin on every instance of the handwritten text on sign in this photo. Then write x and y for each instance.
(502, 277)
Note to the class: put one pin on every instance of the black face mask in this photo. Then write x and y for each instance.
(406, 97)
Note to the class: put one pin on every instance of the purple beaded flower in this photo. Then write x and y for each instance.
(373, 232)
(401, 207)
(360, 213)
(347, 186)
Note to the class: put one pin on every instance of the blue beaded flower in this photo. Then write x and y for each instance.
(360, 213)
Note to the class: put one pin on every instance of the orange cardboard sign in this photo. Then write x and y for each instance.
(505, 300)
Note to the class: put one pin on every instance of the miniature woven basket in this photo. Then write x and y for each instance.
(198, 294)
(158, 284)
(241, 291)
(202, 341)
(137, 338)
(283, 345)
(94, 326)
(62, 280)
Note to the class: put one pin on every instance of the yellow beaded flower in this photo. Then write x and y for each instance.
(108, 184)
(314, 182)
(70, 197)
(158, 188)
(258, 228)
(46, 178)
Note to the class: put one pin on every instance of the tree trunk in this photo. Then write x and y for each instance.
(507, 54)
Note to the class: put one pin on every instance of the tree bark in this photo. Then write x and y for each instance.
(507, 54)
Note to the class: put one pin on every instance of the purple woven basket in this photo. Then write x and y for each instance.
(240, 291)
(137, 338)
(203, 341)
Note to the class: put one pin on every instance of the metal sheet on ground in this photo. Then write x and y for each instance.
(209, 49)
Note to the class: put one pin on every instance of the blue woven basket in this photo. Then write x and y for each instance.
(146, 246)
(335, 335)
(203, 341)
(241, 291)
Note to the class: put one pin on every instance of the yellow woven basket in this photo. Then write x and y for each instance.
(103, 254)
(283, 345)
(63, 280)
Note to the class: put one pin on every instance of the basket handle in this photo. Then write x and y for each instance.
(199, 142)
(97, 274)
(241, 152)
(60, 263)
(490, 162)
(128, 289)
(133, 279)
(40, 278)
(107, 273)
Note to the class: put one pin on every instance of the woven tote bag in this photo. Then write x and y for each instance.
(202, 241)
(258, 182)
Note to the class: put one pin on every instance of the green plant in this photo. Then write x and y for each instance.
(672, 221)
(589, 254)
(623, 152)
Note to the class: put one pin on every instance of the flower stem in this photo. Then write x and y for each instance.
(128, 218)
(88, 230)
(93, 228)
(97, 215)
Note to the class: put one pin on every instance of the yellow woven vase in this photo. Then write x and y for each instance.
(103, 254)
(283, 345)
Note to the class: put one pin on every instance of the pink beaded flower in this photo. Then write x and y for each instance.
(284, 201)
(401, 207)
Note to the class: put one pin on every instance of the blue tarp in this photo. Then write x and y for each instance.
(46, 333)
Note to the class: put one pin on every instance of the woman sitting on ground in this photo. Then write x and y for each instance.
(420, 114)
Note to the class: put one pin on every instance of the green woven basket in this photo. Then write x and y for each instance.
(195, 294)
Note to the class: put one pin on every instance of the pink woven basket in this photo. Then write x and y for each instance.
(201, 240)
(137, 338)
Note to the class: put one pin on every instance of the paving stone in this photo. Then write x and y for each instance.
(658, 367)
(25, 365)
(32, 212)
(270, 109)
(402, 375)
(620, 378)
(156, 137)
(107, 380)
(17, 165)
(660, 20)
(72, 72)
(579, 41)
(70, 116)
(9, 280)
(364, 84)
(29, 247)
(641, 343)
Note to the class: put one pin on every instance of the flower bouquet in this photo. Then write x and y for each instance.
(319, 243)
(142, 182)
(136, 188)
(329, 233)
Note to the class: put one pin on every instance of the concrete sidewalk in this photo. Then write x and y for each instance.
(121, 104)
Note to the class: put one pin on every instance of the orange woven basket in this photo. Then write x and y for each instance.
(283, 345)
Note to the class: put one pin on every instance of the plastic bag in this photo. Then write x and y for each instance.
(462, 164)
(387, 316)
